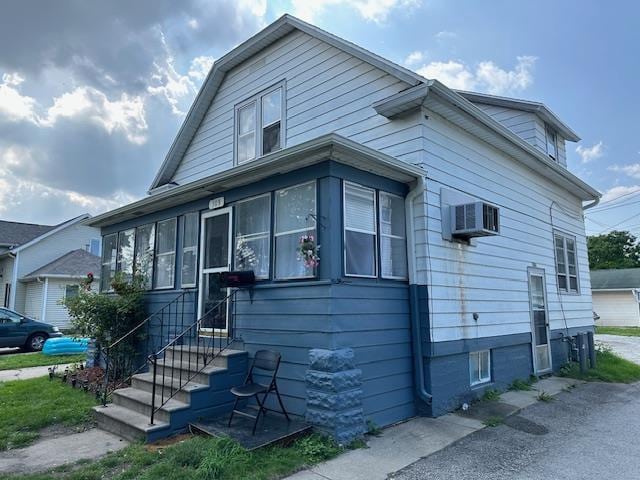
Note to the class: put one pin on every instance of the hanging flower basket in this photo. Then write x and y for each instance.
(308, 251)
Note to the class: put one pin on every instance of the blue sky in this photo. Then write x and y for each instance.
(92, 94)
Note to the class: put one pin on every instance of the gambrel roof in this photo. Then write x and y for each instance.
(420, 92)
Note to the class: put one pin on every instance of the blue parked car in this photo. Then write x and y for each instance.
(16, 330)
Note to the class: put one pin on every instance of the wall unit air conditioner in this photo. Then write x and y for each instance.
(477, 219)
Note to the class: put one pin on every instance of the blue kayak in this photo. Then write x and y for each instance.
(65, 346)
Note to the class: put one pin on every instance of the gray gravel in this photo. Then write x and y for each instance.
(626, 347)
(589, 432)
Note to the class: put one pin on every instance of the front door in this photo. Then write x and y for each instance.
(215, 257)
(539, 322)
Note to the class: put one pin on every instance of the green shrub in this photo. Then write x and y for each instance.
(317, 448)
(520, 385)
(491, 395)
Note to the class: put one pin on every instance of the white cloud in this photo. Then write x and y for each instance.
(617, 192)
(588, 154)
(632, 170)
(445, 35)
(486, 77)
(372, 10)
(414, 58)
(257, 8)
(200, 67)
(13, 105)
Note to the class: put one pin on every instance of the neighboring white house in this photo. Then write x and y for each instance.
(40, 264)
(616, 296)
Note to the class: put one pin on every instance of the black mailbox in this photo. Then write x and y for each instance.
(237, 279)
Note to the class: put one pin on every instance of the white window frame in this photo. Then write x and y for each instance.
(357, 230)
(290, 232)
(565, 253)
(258, 127)
(192, 248)
(257, 236)
(157, 255)
(481, 380)
(395, 237)
(548, 132)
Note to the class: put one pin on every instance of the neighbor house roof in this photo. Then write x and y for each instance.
(538, 108)
(74, 264)
(509, 141)
(326, 147)
(13, 234)
(615, 279)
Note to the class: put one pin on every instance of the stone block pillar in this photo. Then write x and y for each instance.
(334, 394)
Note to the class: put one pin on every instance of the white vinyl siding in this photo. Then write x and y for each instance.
(253, 235)
(33, 300)
(295, 216)
(360, 231)
(190, 225)
(480, 367)
(616, 308)
(165, 258)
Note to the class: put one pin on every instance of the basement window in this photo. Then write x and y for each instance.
(258, 128)
(480, 367)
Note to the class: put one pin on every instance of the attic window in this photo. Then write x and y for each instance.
(259, 125)
(552, 142)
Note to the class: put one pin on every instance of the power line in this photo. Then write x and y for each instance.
(625, 204)
(634, 192)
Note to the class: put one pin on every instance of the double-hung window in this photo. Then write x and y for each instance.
(126, 243)
(393, 242)
(566, 263)
(189, 249)
(145, 241)
(165, 257)
(71, 291)
(295, 217)
(360, 231)
(259, 125)
(552, 142)
(109, 256)
(253, 234)
(480, 367)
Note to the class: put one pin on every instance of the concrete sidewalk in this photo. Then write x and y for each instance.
(30, 372)
(408, 442)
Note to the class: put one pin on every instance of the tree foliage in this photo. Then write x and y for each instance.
(617, 249)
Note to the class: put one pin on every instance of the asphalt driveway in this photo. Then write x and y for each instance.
(589, 432)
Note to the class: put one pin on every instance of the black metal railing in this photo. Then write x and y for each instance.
(127, 356)
(191, 351)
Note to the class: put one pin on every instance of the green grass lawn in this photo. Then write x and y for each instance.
(23, 360)
(609, 368)
(27, 406)
(197, 458)
(624, 331)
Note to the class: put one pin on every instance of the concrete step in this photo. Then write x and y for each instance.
(127, 423)
(140, 401)
(198, 374)
(186, 353)
(172, 385)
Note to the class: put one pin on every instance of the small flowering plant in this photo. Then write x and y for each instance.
(308, 251)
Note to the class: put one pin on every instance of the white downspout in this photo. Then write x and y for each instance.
(45, 294)
(416, 337)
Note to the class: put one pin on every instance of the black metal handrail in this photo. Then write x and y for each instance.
(120, 356)
(205, 351)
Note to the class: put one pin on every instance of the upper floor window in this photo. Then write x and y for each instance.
(552, 142)
(566, 263)
(259, 125)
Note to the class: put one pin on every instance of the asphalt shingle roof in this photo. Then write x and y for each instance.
(76, 263)
(16, 233)
(615, 278)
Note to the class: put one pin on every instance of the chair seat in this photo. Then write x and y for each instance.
(248, 390)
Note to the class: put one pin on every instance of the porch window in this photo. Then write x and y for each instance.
(165, 258)
(109, 254)
(359, 230)
(259, 125)
(189, 249)
(145, 241)
(566, 263)
(252, 235)
(126, 243)
(480, 367)
(393, 243)
(295, 211)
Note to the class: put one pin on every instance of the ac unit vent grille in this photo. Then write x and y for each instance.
(475, 220)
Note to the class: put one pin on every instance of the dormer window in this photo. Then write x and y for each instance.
(552, 142)
(259, 125)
